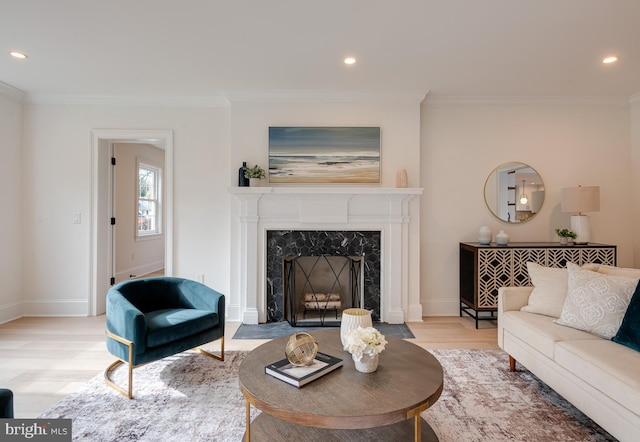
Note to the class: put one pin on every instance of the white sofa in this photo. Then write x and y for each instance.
(598, 376)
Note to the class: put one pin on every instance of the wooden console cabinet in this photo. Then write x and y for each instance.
(486, 268)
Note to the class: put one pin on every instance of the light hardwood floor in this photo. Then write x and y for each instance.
(44, 359)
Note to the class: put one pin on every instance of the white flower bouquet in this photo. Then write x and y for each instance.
(364, 341)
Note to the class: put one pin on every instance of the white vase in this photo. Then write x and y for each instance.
(354, 318)
(254, 182)
(367, 364)
(484, 235)
(502, 239)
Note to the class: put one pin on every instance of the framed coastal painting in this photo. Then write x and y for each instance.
(324, 154)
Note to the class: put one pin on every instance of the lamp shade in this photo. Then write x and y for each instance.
(580, 199)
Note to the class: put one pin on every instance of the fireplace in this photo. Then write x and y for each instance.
(264, 213)
(365, 244)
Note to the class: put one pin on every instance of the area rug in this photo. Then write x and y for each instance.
(190, 397)
(272, 330)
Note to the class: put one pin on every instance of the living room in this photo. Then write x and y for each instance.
(478, 86)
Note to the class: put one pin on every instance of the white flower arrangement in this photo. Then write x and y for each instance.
(360, 341)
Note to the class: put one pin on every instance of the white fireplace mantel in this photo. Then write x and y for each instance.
(259, 209)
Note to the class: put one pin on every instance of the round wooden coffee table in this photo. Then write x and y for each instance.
(379, 405)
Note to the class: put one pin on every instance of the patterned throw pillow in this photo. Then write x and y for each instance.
(596, 302)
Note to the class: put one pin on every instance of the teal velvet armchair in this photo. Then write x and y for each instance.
(152, 318)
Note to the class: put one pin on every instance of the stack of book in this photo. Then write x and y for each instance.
(301, 375)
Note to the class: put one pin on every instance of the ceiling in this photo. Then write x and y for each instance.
(196, 48)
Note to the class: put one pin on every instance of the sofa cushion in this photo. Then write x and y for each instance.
(169, 325)
(605, 365)
(539, 331)
(550, 290)
(629, 332)
(596, 302)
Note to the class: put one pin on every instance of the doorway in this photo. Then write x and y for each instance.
(102, 233)
(138, 208)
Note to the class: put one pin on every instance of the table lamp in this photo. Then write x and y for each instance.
(577, 200)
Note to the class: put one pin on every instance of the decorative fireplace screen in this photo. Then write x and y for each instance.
(317, 289)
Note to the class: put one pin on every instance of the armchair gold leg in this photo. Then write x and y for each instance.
(128, 393)
(212, 355)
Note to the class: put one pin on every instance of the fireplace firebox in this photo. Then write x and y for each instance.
(317, 289)
(363, 245)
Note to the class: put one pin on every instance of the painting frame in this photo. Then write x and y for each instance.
(324, 154)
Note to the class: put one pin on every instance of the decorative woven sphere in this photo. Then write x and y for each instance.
(301, 349)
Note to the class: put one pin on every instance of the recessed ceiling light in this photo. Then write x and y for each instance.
(18, 54)
(349, 60)
(610, 59)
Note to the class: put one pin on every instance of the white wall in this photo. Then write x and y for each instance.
(135, 256)
(568, 144)
(11, 204)
(635, 176)
(57, 148)
(399, 122)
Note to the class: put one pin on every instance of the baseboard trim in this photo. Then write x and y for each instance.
(66, 307)
(10, 312)
(139, 271)
(414, 314)
(233, 313)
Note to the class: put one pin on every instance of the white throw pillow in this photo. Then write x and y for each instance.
(549, 292)
(591, 266)
(596, 302)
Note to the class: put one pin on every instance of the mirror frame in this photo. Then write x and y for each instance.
(491, 192)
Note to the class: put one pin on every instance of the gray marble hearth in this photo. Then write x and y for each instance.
(272, 330)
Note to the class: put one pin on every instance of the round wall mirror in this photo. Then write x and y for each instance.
(514, 192)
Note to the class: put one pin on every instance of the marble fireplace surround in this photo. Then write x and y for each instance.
(260, 209)
(313, 243)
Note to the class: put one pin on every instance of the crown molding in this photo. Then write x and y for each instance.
(215, 101)
(225, 99)
(325, 96)
(497, 100)
(13, 93)
(240, 96)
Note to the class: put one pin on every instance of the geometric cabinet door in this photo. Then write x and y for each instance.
(486, 268)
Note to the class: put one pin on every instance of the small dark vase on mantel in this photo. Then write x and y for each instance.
(242, 180)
